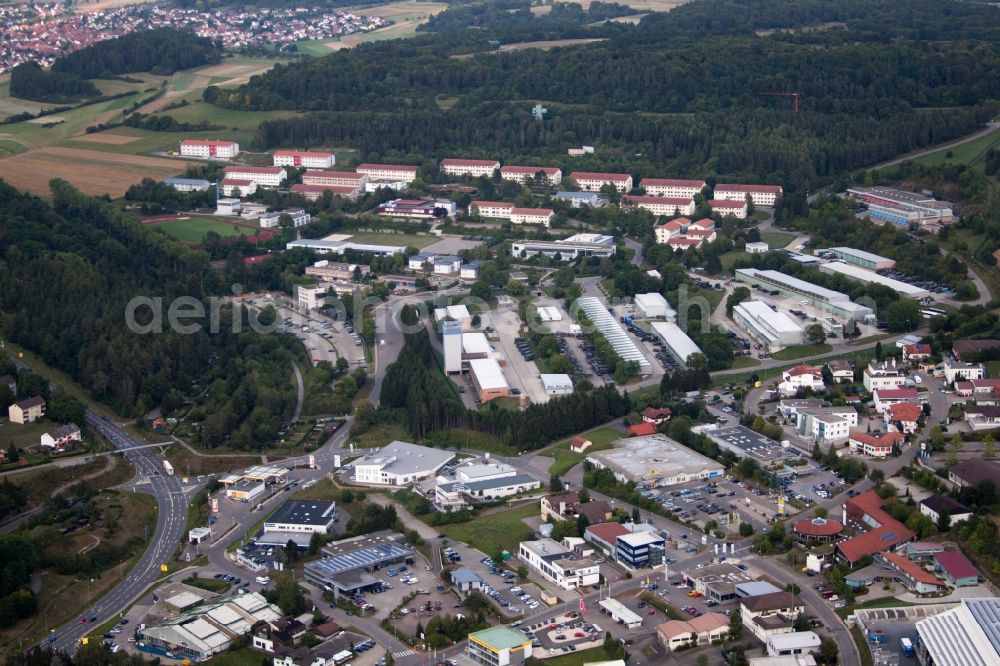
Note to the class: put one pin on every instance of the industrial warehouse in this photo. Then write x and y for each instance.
(655, 460)
(868, 277)
(775, 329)
(677, 342)
(347, 566)
(834, 302)
(607, 326)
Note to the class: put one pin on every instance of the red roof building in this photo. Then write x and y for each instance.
(641, 430)
(918, 578)
(818, 529)
(903, 416)
(876, 447)
(605, 534)
(957, 568)
(884, 532)
(917, 352)
(655, 415)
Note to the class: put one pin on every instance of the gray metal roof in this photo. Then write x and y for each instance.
(359, 559)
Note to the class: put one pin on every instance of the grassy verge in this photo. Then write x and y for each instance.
(495, 531)
(579, 658)
(461, 438)
(210, 584)
(744, 362)
(566, 459)
(860, 358)
(187, 463)
(776, 239)
(800, 351)
(863, 649)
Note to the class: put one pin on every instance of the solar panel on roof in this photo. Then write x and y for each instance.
(888, 536)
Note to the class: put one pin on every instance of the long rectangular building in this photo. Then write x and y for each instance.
(209, 148)
(612, 331)
(388, 172)
(902, 207)
(831, 301)
(527, 174)
(590, 181)
(672, 187)
(304, 158)
(775, 329)
(760, 195)
(338, 247)
(488, 379)
(872, 262)
(868, 277)
(676, 341)
(579, 245)
(655, 460)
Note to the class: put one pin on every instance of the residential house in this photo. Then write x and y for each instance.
(903, 417)
(760, 195)
(769, 614)
(983, 417)
(936, 505)
(883, 376)
(590, 181)
(705, 629)
(842, 371)
(683, 231)
(826, 424)
(957, 370)
(665, 206)
(875, 446)
(655, 415)
(579, 444)
(559, 506)
(737, 209)
(26, 411)
(527, 175)
(61, 437)
(916, 352)
(541, 216)
(595, 511)
(885, 398)
(801, 377)
(469, 168)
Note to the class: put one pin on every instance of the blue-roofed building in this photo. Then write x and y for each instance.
(579, 199)
(467, 580)
(347, 566)
(187, 184)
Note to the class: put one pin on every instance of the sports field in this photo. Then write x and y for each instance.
(193, 230)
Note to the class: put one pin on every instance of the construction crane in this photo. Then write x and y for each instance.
(796, 95)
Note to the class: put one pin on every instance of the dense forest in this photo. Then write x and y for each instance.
(678, 94)
(68, 271)
(161, 51)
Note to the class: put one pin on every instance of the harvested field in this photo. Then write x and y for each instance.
(91, 171)
(46, 120)
(106, 137)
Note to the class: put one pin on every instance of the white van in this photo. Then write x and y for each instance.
(263, 580)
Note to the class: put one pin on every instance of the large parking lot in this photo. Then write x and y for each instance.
(561, 634)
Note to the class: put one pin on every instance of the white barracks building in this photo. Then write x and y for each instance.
(263, 176)
(209, 148)
(475, 168)
(590, 181)
(304, 158)
(341, 178)
(672, 187)
(661, 205)
(389, 172)
(761, 195)
(523, 174)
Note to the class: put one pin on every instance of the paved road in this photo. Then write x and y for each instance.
(171, 517)
(933, 149)
(300, 392)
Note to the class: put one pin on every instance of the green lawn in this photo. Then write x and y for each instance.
(566, 459)
(721, 378)
(967, 153)
(800, 351)
(193, 230)
(240, 657)
(394, 239)
(731, 257)
(744, 362)
(578, 658)
(492, 532)
(460, 438)
(776, 239)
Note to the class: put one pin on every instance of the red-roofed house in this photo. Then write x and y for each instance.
(903, 417)
(682, 232)
(579, 444)
(761, 195)
(590, 181)
(912, 575)
(917, 352)
(979, 388)
(672, 187)
(526, 174)
(956, 568)
(655, 415)
(303, 158)
(885, 398)
(876, 447)
(660, 205)
(641, 430)
(474, 168)
(801, 376)
(884, 532)
(209, 148)
(737, 209)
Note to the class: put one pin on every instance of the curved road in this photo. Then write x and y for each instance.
(951, 144)
(171, 518)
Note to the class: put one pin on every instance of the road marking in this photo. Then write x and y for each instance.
(402, 653)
